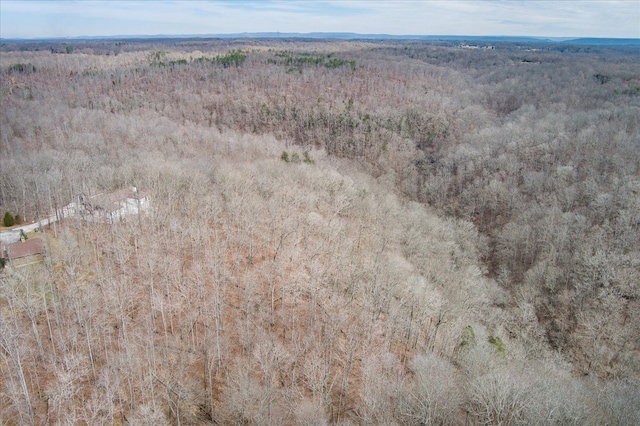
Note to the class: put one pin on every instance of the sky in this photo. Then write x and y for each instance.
(539, 18)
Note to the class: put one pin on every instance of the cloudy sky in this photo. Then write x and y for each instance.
(550, 18)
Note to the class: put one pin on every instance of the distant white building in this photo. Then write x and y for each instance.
(130, 206)
(112, 207)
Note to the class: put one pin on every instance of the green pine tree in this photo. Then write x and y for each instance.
(8, 220)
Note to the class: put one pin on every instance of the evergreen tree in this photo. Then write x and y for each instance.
(8, 219)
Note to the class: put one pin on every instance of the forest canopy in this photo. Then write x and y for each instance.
(339, 232)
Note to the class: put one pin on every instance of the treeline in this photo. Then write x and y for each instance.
(460, 242)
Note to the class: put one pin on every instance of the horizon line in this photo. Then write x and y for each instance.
(314, 34)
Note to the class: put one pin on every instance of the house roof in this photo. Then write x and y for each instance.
(23, 249)
(111, 201)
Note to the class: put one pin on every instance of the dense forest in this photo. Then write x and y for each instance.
(339, 232)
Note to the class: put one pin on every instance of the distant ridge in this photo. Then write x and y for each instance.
(356, 36)
(607, 41)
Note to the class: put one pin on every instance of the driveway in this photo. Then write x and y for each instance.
(13, 235)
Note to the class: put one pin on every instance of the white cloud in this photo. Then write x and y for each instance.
(467, 17)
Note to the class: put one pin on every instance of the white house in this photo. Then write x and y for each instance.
(112, 207)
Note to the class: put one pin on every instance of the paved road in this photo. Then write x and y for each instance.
(128, 206)
(13, 235)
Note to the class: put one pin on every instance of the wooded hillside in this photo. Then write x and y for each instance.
(338, 233)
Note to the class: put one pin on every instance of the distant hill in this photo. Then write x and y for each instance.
(606, 41)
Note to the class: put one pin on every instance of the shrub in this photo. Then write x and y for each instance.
(21, 68)
(306, 157)
(8, 220)
(157, 56)
(233, 57)
(468, 338)
(285, 156)
(497, 343)
(336, 63)
(17, 219)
